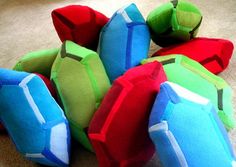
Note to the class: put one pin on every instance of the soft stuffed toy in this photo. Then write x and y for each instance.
(124, 41)
(48, 84)
(213, 54)
(80, 24)
(37, 62)
(118, 130)
(193, 76)
(81, 83)
(33, 119)
(174, 22)
(187, 131)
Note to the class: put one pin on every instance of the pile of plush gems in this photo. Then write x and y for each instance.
(101, 88)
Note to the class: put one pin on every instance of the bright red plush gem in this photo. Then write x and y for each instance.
(119, 128)
(213, 54)
(80, 24)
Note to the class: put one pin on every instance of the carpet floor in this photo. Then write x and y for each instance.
(26, 25)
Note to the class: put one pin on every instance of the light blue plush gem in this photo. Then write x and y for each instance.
(33, 119)
(187, 131)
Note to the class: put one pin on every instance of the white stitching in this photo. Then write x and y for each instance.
(158, 127)
(23, 85)
(163, 126)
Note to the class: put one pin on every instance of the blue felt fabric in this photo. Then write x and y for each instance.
(31, 134)
(124, 41)
(196, 128)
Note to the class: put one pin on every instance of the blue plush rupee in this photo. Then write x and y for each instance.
(33, 119)
(187, 131)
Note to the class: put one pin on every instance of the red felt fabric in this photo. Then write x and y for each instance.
(213, 54)
(119, 128)
(48, 84)
(80, 24)
(1, 127)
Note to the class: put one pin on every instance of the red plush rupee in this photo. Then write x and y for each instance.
(213, 54)
(80, 24)
(119, 128)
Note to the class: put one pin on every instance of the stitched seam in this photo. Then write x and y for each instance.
(96, 90)
(30, 99)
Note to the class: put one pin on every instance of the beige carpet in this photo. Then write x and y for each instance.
(25, 25)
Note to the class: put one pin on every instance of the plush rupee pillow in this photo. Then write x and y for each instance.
(33, 119)
(124, 41)
(80, 24)
(81, 82)
(187, 131)
(213, 54)
(174, 22)
(118, 130)
(37, 62)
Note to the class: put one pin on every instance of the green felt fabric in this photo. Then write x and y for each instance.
(159, 20)
(81, 83)
(185, 17)
(170, 24)
(37, 62)
(193, 76)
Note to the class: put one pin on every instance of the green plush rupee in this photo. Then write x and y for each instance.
(81, 82)
(194, 77)
(37, 62)
(174, 22)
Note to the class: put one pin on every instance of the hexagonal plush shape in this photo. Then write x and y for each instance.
(213, 54)
(124, 41)
(118, 130)
(194, 77)
(33, 119)
(80, 24)
(81, 83)
(187, 131)
(174, 22)
(37, 62)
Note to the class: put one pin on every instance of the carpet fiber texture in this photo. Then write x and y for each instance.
(26, 26)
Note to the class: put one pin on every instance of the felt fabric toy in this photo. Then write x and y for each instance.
(81, 83)
(37, 62)
(48, 84)
(194, 77)
(187, 131)
(174, 22)
(80, 24)
(213, 54)
(118, 130)
(124, 41)
(33, 119)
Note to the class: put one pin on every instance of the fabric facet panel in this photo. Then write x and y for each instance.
(81, 83)
(29, 118)
(181, 130)
(118, 130)
(124, 41)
